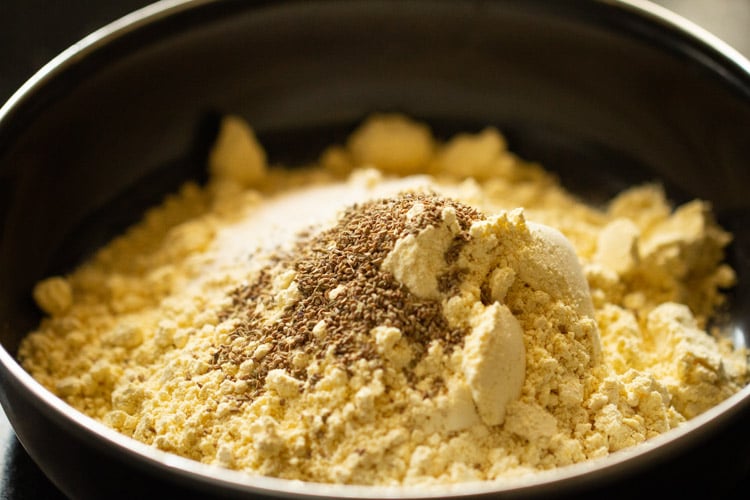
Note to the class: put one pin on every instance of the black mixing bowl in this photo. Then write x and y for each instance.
(605, 93)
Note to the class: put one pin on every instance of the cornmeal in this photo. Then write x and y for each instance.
(403, 311)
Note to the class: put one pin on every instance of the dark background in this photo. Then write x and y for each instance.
(34, 31)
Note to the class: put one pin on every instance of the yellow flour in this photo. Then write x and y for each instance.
(404, 311)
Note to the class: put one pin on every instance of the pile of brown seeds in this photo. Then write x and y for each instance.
(340, 283)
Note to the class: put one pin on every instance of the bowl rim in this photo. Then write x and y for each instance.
(214, 476)
(161, 9)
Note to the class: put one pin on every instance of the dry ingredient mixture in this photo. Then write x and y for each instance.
(389, 315)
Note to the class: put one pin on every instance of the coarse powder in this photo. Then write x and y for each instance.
(404, 311)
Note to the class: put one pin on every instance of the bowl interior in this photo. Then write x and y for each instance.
(601, 94)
